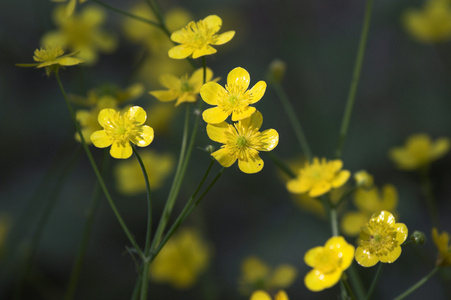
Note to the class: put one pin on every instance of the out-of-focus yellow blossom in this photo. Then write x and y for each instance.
(319, 177)
(328, 263)
(196, 38)
(121, 96)
(129, 176)
(363, 179)
(432, 23)
(380, 240)
(276, 70)
(182, 260)
(5, 225)
(242, 141)
(234, 99)
(81, 32)
(368, 202)
(314, 205)
(162, 114)
(183, 89)
(262, 295)
(122, 129)
(70, 7)
(443, 246)
(258, 275)
(51, 58)
(419, 151)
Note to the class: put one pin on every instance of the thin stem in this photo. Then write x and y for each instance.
(289, 110)
(96, 170)
(334, 221)
(426, 186)
(156, 10)
(145, 279)
(280, 164)
(417, 285)
(347, 287)
(374, 282)
(355, 79)
(356, 282)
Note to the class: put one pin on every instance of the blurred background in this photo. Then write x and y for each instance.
(404, 89)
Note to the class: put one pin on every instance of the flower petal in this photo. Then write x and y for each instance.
(216, 132)
(105, 115)
(341, 178)
(180, 52)
(169, 81)
(251, 166)
(391, 255)
(100, 139)
(316, 280)
(239, 78)
(260, 295)
(213, 22)
(311, 256)
(299, 186)
(210, 92)
(401, 232)
(178, 36)
(205, 50)
(352, 222)
(69, 61)
(257, 91)
(255, 120)
(214, 115)
(137, 114)
(224, 38)
(364, 258)
(319, 189)
(270, 139)
(243, 113)
(121, 151)
(223, 157)
(197, 79)
(164, 96)
(145, 137)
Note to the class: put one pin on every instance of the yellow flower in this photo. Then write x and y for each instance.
(328, 263)
(182, 260)
(121, 130)
(443, 246)
(262, 295)
(196, 38)
(363, 179)
(70, 6)
(51, 58)
(242, 141)
(368, 202)
(94, 96)
(318, 178)
(234, 99)
(129, 176)
(81, 32)
(183, 89)
(419, 152)
(380, 240)
(432, 23)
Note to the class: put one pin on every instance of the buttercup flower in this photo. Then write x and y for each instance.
(432, 23)
(262, 295)
(328, 263)
(121, 130)
(380, 240)
(182, 260)
(196, 38)
(183, 89)
(443, 246)
(419, 152)
(242, 141)
(234, 99)
(319, 177)
(70, 7)
(51, 58)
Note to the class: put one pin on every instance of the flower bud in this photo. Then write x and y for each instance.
(418, 237)
(363, 179)
(210, 149)
(276, 70)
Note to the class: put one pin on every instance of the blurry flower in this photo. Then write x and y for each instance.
(319, 177)
(368, 202)
(262, 295)
(183, 89)
(380, 240)
(162, 114)
(51, 58)
(328, 263)
(121, 130)
(419, 152)
(363, 179)
(276, 70)
(129, 176)
(81, 32)
(182, 260)
(432, 23)
(196, 38)
(234, 99)
(109, 90)
(70, 7)
(443, 246)
(242, 141)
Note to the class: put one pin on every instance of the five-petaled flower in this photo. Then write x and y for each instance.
(380, 240)
(183, 89)
(328, 263)
(196, 38)
(263, 295)
(234, 99)
(319, 177)
(122, 129)
(443, 246)
(242, 141)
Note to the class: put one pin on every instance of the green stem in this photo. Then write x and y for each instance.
(157, 11)
(289, 110)
(347, 287)
(355, 79)
(374, 282)
(145, 278)
(426, 186)
(356, 282)
(96, 170)
(280, 164)
(334, 221)
(417, 285)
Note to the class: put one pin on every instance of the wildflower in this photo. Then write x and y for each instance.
(328, 263)
(129, 176)
(70, 6)
(81, 32)
(432, 23)
(196, 38)
(363, 179)
(234, 99)
(419, 152)
(51, 58)
(262, 295)
(443, 246)
(242, 141)
(368, 202)
(184, 257)
(319, 177)
(380, 240)
(183, 89)
(121, 130)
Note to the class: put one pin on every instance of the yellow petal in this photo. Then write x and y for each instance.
(316, 280)
(180, 52)
(121, 151)
(224, 37)
(169, 81)
(92, 15)
(270, 139)
(216, 132)
(239, 78)
(319, 189)
(364, 258)
(178, 36)
(205, 50)
(257, 91)
(70, 7)
(137, 114)
(210, 92)
(214, 115)
(251, 166)
(352, 222)
(145, 137)
(260, 295)
(105, 115)
(100, 139)
(440, 147)
(401, 232)
(69, 61)
(213, 22)
(283, 276)
(244, 113)
(298, 186)
(164, 96)
(341, 178)
(255, 120)
(391, 255)
(281, 295)
(389, 197)
(223, 157)
(197, 78)
(312, 255)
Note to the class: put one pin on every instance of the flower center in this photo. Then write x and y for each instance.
(185, 87)
(232, 99)
(327, 261)
(381, 238)
(48, 53)
(241, 142)
(122, 129)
